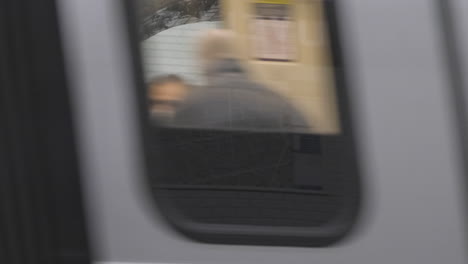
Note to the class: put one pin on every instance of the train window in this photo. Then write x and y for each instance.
(250, 134)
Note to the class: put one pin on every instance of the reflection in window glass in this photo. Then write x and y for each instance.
(267, 69)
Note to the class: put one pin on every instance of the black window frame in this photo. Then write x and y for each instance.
(320, 236)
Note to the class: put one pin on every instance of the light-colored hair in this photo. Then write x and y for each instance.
(217, 44)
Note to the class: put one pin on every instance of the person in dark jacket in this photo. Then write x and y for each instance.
(231, 100)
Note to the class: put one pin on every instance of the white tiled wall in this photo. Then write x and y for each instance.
(173, 51)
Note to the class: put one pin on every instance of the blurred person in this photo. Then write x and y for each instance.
(165, 94)
(231, 100)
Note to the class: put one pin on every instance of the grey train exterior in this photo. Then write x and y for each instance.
(404, 79)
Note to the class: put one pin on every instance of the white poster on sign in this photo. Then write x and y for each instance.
(273, 32)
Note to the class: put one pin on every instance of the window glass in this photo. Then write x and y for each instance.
(260, 66)
(246, 128)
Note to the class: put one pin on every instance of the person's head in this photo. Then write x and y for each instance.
(215, 45)
(165, 94)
